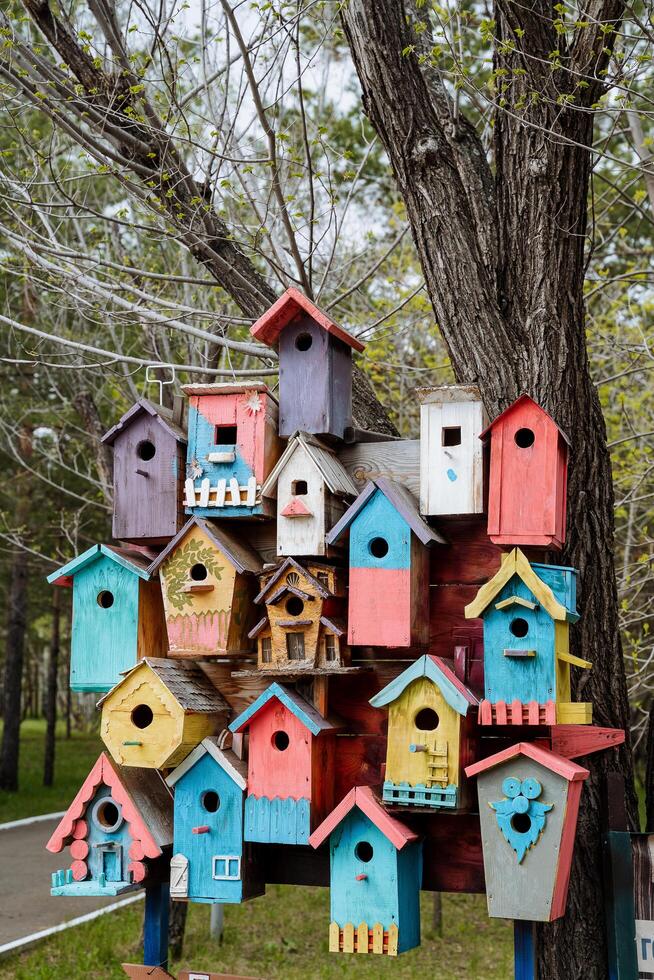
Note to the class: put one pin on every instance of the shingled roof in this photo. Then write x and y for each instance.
(187, 683)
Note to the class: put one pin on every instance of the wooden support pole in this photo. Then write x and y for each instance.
(217, 922)
(619, 904)
(524, 950)
(155, 928)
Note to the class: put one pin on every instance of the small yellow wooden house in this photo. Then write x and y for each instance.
(208, 582)
(431, 718)
(302, 628)
(159, 712)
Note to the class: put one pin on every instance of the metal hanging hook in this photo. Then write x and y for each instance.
(157, 381)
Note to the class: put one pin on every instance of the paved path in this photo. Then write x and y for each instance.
(26, 905)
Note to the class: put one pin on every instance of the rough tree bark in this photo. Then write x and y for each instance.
(51, 691)
(16, 624)
(503, 260)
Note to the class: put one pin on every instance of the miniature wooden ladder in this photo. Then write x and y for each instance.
(437, 765)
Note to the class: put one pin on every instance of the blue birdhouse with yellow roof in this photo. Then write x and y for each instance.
(527, 611)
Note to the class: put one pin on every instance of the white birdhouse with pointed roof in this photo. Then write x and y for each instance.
(313, 490)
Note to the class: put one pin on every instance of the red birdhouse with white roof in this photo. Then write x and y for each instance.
(315, 366)
(528, 477)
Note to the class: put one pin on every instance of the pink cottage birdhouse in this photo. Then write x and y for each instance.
(528, 477)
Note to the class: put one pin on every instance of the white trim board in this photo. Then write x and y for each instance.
(28, 820)
(18, 944)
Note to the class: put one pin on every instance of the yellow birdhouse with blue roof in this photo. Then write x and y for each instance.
(431, 715)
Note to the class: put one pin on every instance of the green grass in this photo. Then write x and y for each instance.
(280, 935)
(73, 759)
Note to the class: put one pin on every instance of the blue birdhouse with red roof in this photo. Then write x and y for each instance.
(375, 877)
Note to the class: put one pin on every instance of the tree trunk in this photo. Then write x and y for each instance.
(505, 278)
(16, 626)
(51, 691)
(649, 776)
(177, 929)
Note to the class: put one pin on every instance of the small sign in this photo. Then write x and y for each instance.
(645, 945)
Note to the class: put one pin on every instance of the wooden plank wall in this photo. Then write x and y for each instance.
(457, 570)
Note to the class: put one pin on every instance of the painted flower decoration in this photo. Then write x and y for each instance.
(254, 403)
(519, 816)
(194, 470)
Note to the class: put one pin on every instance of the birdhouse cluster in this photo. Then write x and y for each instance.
(306, 637)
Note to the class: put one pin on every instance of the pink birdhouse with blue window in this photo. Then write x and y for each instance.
(290, 767)
(389, 557)
(375, 877)
(232, 447)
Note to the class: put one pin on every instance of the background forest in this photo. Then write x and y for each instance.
(256, 136)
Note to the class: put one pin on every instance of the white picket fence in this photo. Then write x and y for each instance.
(225, 493)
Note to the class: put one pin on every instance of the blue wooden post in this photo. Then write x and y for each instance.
(524, 950)
(155, 929)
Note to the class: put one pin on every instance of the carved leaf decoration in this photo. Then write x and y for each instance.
(176, 570)
(293, 579)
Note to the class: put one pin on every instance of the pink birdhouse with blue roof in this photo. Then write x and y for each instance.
(232, 447)
(290, 767)
(389, 560)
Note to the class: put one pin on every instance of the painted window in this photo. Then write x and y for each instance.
(330, 646)
(299, 488)
(323, 578)
(295, 646)
(107, 815)
(226, 867)
(266, 649)
(451, 435)
(225, 435)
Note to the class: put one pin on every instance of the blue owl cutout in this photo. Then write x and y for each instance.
(520, 817)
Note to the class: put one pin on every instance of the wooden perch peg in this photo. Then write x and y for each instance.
(200, 830)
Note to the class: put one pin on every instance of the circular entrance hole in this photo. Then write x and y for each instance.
(281, 741)
(303, 341)
(524, 438)
(363, 851)
(294, 606)
(142, 716)
(199, 572)
(426, 720)
(105, 599)
(378, 547)
(521, 823)
(146, 450)
(210, 801)
(107, 815)
(519, 627)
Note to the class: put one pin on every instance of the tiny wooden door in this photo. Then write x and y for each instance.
(179, 876)
(111, 863)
